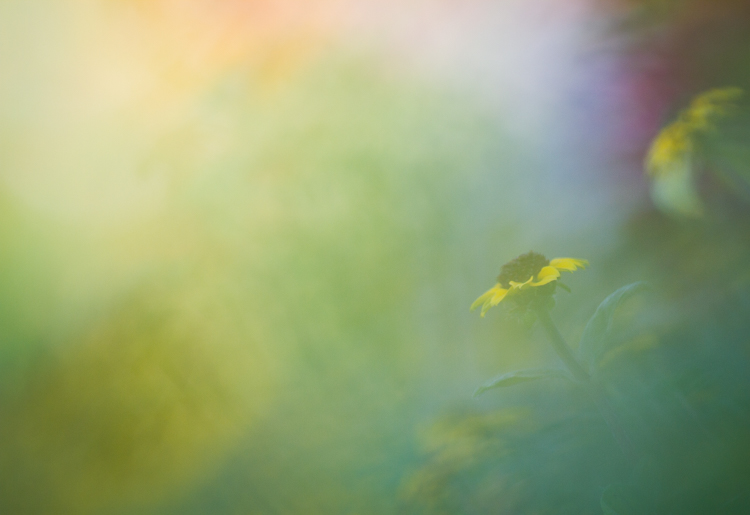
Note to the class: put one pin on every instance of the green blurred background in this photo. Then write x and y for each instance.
(239, 239)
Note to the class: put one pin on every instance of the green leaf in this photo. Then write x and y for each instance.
(618, 499)
(521, 376)
(593, 342)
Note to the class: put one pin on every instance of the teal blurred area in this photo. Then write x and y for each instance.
(239, 241)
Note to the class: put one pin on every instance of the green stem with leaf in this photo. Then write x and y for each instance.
(582, 376)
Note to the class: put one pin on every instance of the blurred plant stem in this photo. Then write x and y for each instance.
(582, 376)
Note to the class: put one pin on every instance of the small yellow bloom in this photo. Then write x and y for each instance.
(669, 161)
(673, 145)
(676, 141)
(526, 272)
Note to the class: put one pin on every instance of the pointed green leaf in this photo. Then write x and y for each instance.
(521, 376)
(593, 341)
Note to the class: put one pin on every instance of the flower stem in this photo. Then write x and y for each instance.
(561, 347)
(580, 374)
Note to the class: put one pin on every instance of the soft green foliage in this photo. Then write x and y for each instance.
(236, 252)
(254, 317)
(618, 500)
(639, 495)
(596, 339)
(522, 376)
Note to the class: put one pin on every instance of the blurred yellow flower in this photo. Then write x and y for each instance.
(669, 161)
(527, 271)
(675, 142)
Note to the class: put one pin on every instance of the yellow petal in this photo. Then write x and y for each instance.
(485, 307)
(671, 145)
(486, 296)
(499, 296)
(544, 281)
(546, 275)
(568, 264)
(521, 286)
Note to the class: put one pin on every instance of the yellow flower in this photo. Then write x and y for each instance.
(673, 145)
(676, 141)
(526, 272)
(669, 161)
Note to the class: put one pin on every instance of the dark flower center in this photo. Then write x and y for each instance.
(520, 269)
